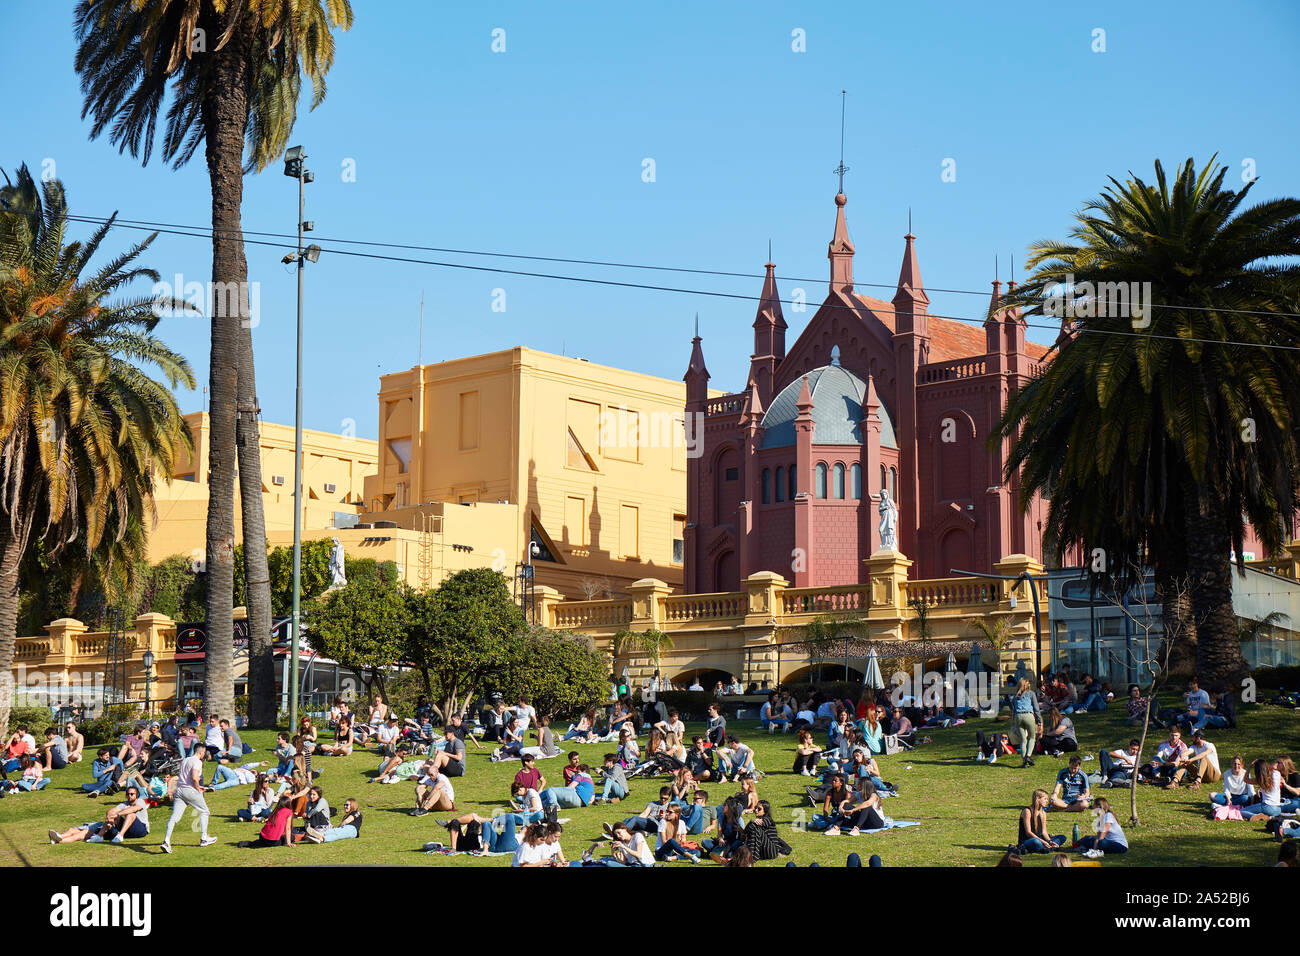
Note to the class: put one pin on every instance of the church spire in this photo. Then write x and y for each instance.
(697, 374)
(840, 251)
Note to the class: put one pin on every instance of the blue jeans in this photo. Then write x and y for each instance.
(1209, 720)
(248, 816)
(345, 832)
(565, 797)
(1035, 845)
(102, 783)
(672, 847)
(523, 819)
(778, 722)
(503, 842)
(1094, 701)
(613, 789)
(223, 778)
(1255, 808)
(1222, 800)
(1106, 846)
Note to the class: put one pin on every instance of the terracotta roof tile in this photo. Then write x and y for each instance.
(949, 339)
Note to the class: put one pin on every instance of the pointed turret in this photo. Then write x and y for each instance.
(840, 251)
(769, 336)
(697, 374)
(751, 413)
(993, 321)
(910, 300)
(804, 402)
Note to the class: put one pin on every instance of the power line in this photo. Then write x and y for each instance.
(189, 231)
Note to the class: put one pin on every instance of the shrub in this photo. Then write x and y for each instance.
(1271, 677)
(35, 719)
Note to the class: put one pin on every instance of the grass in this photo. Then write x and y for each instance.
(968, 810)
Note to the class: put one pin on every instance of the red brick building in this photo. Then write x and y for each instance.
(872, 394)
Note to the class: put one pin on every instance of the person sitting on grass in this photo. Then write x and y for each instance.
(54, 752)
(672, 725)
(399, 767)
(736, 760)
(106, 770)
(1164, 764)
(1196, 702)
(260, 801)
(1267, 780)
(1071, 791)
(769, 715)
(901, 729)
(806, 754)
(626, 848)
(668, 847)
(1109, 837)
(613, 780)
(1117, 766)
(308, 733)
(529, 775)
(343, 740)
(284, 753)
(449, 759)
(433, 791)
(532, 848)
(760, 835)
(863, 766)
(629, 751)
(698, 815)
(584, 731)
(1033, 836)
(699, 760)
(512, 741)
(278, 830)
(1290, 784)
(129, 820)
(527, 804)
(1238, 791)
(1201, 760)
(1058, 736)
(1091, 696)
(647, 821)
(577, 794)
(715, 731)
(872, 730)
(75, 740)
(472, 833)
(730, 835)
(858, 811)
(349, 827)
(232, 747)
(32, 778)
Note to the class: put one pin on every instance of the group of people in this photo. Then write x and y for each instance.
(31, 761)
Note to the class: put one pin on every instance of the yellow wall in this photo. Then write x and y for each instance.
(495, 427)
(337, 459)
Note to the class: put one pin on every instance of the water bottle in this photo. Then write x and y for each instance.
(1076, 835)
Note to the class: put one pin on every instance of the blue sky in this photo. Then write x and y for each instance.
(539, 150)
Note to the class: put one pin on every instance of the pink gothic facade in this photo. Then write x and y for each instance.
(871, 394)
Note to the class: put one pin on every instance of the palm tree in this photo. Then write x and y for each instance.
(83, 428)
(1158, 432)
(235, 69)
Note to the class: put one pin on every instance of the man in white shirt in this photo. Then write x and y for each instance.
(385, 735)
(672, 725)
(696, 685)
(433, 791)
(189, 793)
(525, 714)
(1195, 703)
(1201, 759)
(214, 740)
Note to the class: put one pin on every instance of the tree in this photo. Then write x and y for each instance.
(461, 635)
(363, 626)
(83, 426)
(235, 68)
(649, 643)
(1167, 419)
(559, 671)
(819, 637)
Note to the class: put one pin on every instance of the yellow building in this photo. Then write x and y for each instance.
(334, 468)
(591, 459)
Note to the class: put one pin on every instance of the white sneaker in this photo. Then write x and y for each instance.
(993, 757)
(166, 848)
(208, 841)
(979, 757)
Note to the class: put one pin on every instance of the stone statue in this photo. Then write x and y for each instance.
(888, 522)
(338, 578)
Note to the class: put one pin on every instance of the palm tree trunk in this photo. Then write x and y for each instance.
(262, 704)
(1218, 647)
(225, 112)
(10, 562)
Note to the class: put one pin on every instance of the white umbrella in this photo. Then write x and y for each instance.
(950, 677)
(873, 679)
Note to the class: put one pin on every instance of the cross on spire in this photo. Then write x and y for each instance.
(841, 169)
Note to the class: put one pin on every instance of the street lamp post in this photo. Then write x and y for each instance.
(294, 168)
(147, 660)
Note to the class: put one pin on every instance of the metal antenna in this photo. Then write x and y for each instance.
(697, 325)
(1013, 267)
(841, 169)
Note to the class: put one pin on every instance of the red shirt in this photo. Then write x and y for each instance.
(529, 778)
(274, 828)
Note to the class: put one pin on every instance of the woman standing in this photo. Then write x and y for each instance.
(1027, 719)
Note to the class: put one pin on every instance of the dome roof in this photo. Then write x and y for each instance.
(837, 396)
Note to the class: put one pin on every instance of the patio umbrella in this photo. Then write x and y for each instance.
(950, 676)
(976, 662)
(872, 679)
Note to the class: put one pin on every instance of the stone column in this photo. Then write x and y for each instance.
(545, 598)
(1022, 617)
(887, 572)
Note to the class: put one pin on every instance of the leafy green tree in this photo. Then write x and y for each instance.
(1160, 428)
(560, 672)
(363, 626)
(233, 72)
(461, 635)
(83, 425)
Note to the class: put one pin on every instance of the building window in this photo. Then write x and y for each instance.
(629, 531)
(821, 479)
(575, 521)
(792, 486)
(767, 486)
(732, 474)
(893, 483)
(780, 484)
(855, 480)
(884, 486)
(679, 539)
(468, 421)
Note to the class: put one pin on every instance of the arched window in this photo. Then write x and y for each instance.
(838, 477)
(883, 479)
(780, 483)
(893, 483)
(821, 479)
(793, 488)
(767, 486)
(855, 480)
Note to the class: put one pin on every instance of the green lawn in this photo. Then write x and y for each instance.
(967, 810)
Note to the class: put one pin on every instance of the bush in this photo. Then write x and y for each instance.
(35, 719)
(1271, 677)
(691, 704)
